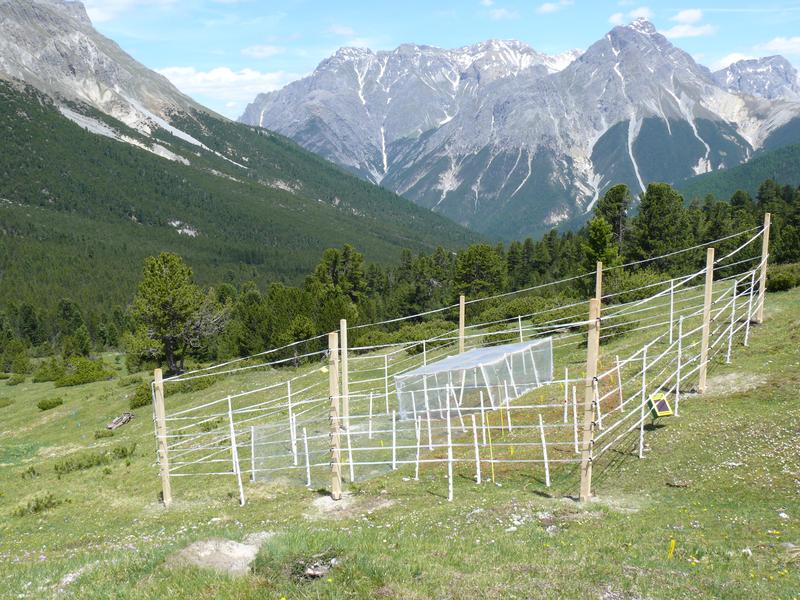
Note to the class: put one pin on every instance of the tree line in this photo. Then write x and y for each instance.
(171, 319)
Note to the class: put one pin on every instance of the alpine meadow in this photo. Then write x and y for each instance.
(343, 300)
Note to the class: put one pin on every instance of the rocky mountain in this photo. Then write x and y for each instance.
(509, 141)
(771, 77)
(104, 162)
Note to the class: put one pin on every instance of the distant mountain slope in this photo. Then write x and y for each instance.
(782, 165)
(510, 142)
(80, 210)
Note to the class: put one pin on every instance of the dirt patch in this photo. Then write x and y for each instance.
(732, 383)
(349, 506)
(223, 556)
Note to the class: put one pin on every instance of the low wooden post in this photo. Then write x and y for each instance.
(333, 395)
(345, 381)
(762, 277)
(593, 349)
(461, 322)
(161, 436)
(709, 290)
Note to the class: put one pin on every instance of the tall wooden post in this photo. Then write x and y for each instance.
(593, 349)
(461, 322)
(161, 435)
(333, 394)
(709, 290)
(345, 374)
(598, 285)
(762, 278)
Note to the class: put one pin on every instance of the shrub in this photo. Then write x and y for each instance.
(80, 461)
(49, 370)
(30, 473)
(210, 425)
(80, 370)
(103, 433)
(123, 452)
(783, 277)
(5, 375)
(16, 379)
(193, 385)
(49, 403)
(6, 402)
(38, 504)
(141, 396)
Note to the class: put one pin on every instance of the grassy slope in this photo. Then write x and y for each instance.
(739, 450)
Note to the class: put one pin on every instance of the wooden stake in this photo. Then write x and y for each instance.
(762, 279)
(333, 395)
(544, 453)
(461, 322)
(161, 436)
(709, 290)
(345, 374)
(593, 349)
(598, 286)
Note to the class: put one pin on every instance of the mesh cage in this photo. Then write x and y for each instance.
(495, 375)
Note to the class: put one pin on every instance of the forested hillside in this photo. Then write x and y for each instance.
(80, 211)
(782, 164)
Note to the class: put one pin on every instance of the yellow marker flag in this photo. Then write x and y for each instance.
(671, 550)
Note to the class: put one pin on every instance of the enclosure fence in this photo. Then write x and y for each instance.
(531, 392)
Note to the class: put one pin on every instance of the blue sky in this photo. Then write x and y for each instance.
(223, 52)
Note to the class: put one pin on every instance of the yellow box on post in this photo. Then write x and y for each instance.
(659, 407)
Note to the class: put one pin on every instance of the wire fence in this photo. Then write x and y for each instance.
(296, 425)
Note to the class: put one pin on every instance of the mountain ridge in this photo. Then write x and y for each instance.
(512, 151)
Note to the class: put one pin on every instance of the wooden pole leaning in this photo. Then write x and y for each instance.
(593, 349)
(762, 277)
(709, 290)
(461, 322)
(159, 414)
(345, 374)
(333, 395)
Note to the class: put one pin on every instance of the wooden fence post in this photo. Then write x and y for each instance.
(762, 278)
(161, 435)
(345, 374)
(709, 291)
(598, 286)
(461, 322)
(593, 348)
(333, 394)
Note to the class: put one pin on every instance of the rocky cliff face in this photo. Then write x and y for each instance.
(509, 141)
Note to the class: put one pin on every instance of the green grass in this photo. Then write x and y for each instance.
(715, 480)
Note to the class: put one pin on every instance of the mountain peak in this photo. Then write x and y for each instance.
(770, 77)
(642, 25)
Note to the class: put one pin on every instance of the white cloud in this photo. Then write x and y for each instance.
(781, 45)
(262, 51)
(101, 11)
(551, 7)
(342, 30)
(502, 14)
(728, 60)
(224, 87)
(617, 19)
(487, 2)
(643, 12)
(686, 30)
(688, 16)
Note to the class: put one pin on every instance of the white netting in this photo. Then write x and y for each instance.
(500, 373)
